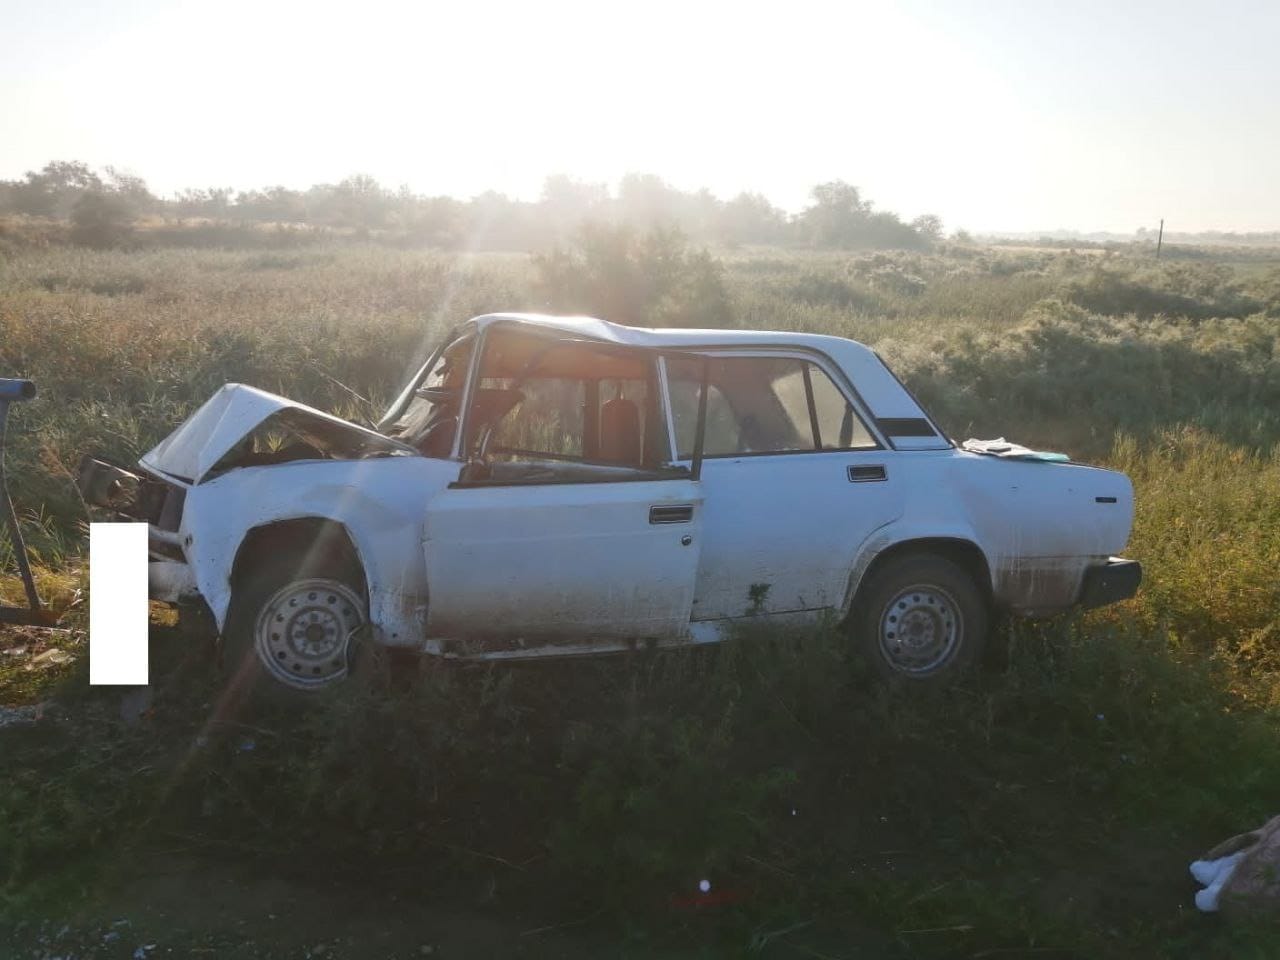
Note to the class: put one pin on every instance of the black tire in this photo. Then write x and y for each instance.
(920, 618)
(321, 613)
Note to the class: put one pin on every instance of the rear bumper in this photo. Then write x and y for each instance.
(1110, 582)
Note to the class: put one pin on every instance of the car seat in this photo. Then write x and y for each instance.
(620, 434)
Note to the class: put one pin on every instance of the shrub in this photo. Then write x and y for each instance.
(650, 279)
(101, 220)
(1071, 374)
(821, 288)
(1208, 531)
(1195, 291)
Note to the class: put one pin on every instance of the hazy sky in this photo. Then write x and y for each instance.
(1005, 114)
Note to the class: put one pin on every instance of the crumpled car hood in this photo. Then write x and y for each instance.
(226, 418)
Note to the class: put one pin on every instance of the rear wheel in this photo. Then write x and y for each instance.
(920, 617)
(294, 623)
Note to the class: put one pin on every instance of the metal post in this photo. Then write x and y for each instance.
(34, 615)
(11, 520)
(1160, 238)
(700, 433)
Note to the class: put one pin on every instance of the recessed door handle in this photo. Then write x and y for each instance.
(682, 513)
(866, 473)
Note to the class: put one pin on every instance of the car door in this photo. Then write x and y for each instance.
(569, 525)
(794, 481)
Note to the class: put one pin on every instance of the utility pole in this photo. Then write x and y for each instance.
(1160, 238)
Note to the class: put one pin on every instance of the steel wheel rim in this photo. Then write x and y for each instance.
(303, 631)
(920, 629)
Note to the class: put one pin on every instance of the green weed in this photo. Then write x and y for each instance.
(1052, 802)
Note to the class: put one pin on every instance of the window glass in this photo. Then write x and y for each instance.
(839, 428)
(762, 405)
(789, 387)
(722, 428)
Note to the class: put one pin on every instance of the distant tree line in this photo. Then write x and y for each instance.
(103, 209)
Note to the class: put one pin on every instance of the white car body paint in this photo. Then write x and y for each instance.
(546, 563)
(381, 503)
(575, 568)
(227, 417)
(790, 526)
(1039, 525)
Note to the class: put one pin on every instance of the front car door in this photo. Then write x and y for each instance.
(795, 481)
(571, 526)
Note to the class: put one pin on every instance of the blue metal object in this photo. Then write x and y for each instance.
(11, 390)
(33, 614)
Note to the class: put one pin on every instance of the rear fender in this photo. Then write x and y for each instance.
(950, 540)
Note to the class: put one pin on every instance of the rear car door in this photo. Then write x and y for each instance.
(795, 482)
(569, 523)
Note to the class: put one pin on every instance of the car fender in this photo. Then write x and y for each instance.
(900, 533)
(381, 503)
(1038, 526)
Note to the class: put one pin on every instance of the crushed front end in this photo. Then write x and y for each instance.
(134, 494)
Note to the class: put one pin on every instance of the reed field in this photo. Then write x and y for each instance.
(1047, 807)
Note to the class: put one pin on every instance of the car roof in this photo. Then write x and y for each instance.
(896, 411)
(672, 338)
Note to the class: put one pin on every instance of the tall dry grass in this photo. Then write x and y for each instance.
(1137, 734)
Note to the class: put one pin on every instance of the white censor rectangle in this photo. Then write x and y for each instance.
(118, 607)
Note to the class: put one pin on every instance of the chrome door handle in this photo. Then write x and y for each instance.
(664, 513)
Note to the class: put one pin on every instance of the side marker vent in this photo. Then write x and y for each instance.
(906, 427)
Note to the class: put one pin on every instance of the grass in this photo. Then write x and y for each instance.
(1050, 804)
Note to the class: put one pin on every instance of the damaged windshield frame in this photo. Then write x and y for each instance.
(406, 396)
(409, 424)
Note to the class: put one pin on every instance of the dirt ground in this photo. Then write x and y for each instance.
(171, 904)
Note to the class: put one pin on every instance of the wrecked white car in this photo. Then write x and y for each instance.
(549, 486)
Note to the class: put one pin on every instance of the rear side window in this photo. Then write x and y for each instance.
(839, 428)
(762, 405)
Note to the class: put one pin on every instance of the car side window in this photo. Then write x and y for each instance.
(545, 419)
(762, 405)
(722, 428)
(839, 426)
(543, 400)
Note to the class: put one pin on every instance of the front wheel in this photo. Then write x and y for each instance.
(293, 624)
(920, 617)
